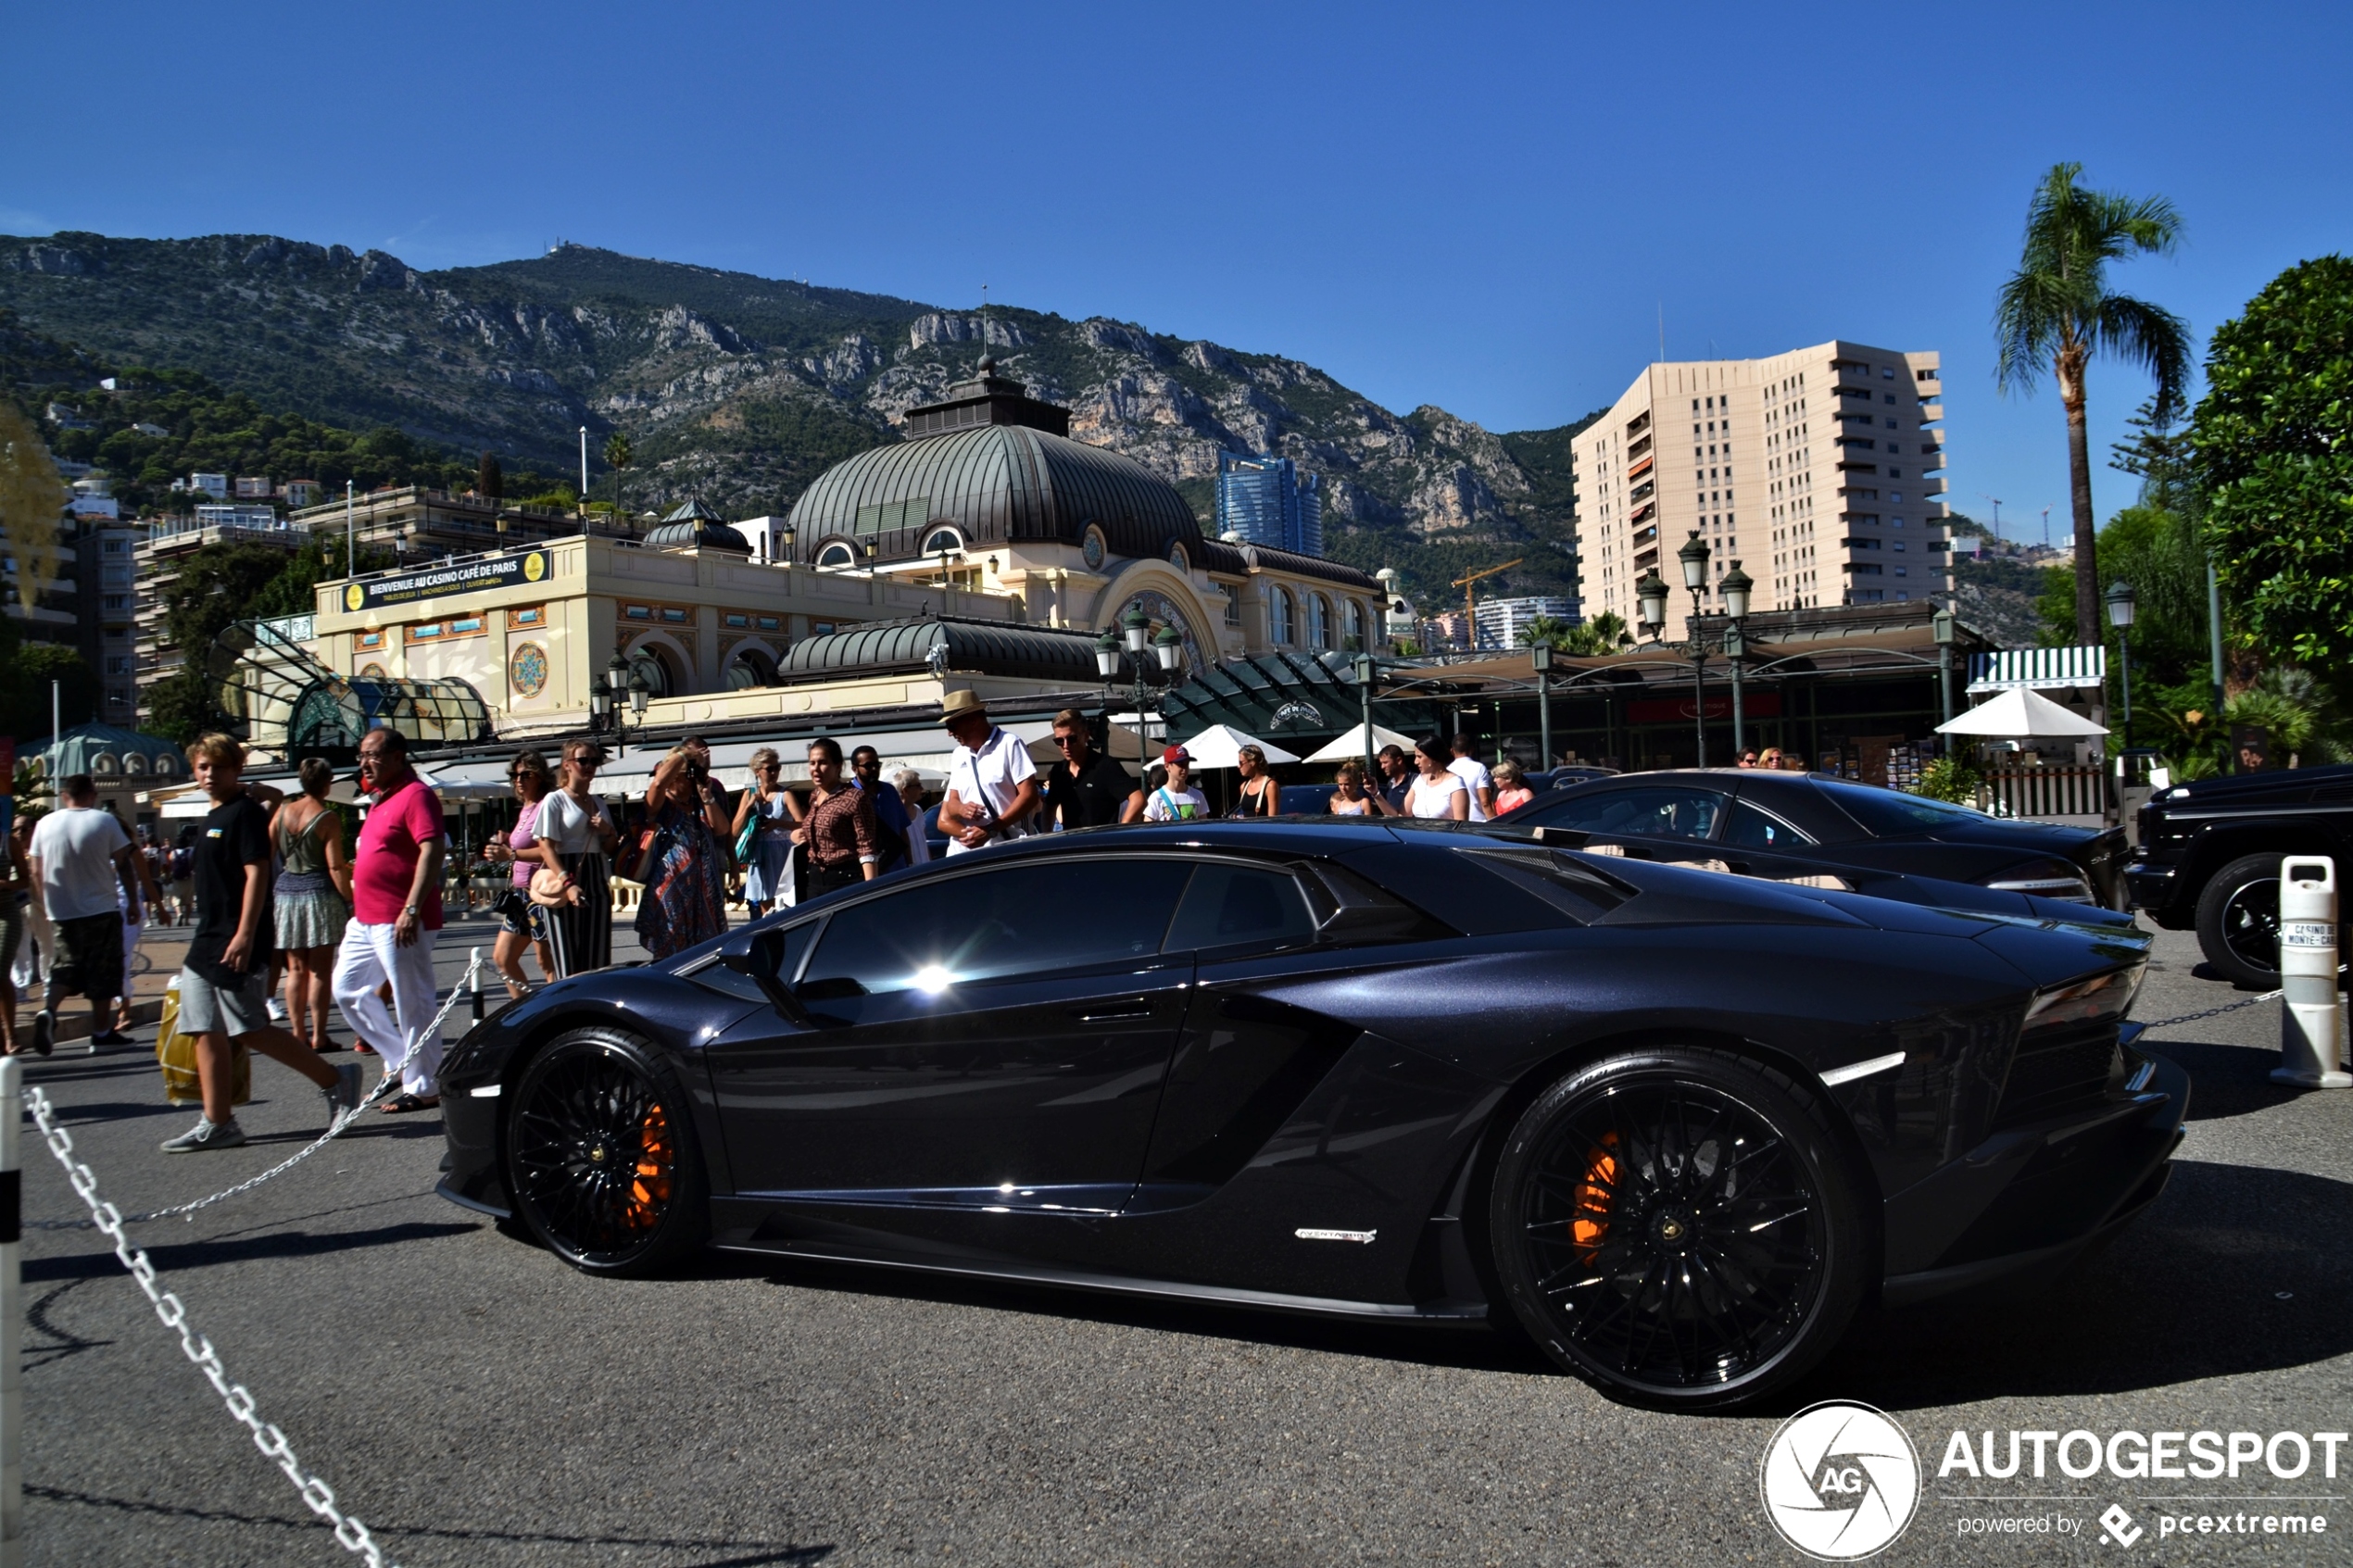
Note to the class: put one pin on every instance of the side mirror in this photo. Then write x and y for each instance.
(763, 964)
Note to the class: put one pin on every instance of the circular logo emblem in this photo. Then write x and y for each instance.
(1091, 548)
(1840, 1481)
(534, 567)
(528, 670)
(354, 597)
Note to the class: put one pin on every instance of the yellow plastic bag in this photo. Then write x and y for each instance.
(176, 1054)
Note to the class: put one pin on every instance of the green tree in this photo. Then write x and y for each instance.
(2274, 445)
(2057, 311)
(619, 455)
(26, 671)
(1547, 631)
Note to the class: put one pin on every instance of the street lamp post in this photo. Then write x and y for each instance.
(607, 702)
(1940, 626)
(1539, 659)
(1366, 673)
(1693, 555)
(2120, 605)
(1736, 586)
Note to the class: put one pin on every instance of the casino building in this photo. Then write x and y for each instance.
(876, 595)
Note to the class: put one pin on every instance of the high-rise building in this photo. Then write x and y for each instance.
(1500, 621)
(1267, 501)
(1812, 469)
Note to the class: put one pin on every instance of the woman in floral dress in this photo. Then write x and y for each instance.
(685, 869)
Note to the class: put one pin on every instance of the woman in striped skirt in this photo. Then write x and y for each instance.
(574, 833)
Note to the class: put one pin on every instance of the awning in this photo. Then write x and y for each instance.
(2019, 714)
(1351, 746)
(1220, 746)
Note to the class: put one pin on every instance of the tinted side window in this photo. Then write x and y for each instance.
(1647, 810)
(1021, 920)
(1753, 829)
(1228, 906)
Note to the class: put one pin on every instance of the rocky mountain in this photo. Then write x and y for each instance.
(741, 389)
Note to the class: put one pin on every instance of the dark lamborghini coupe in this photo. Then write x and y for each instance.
(1677, 1127)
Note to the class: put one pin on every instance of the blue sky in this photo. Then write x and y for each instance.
(1483, 207)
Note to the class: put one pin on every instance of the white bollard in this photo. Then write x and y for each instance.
(2310, 1012)
(11, 1313)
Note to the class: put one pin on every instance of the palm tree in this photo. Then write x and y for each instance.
(2057, 311)
(618, 456)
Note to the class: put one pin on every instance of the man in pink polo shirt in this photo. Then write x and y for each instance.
(396, 914)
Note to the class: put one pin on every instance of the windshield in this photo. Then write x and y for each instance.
(1888, 813)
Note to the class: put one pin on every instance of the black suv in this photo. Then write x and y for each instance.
(2210, 858)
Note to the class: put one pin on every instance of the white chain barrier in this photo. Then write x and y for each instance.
(350, 1534)
(340, 1125)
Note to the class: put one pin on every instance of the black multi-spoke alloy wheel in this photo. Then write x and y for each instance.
(601, 1160)
(1680, 1227)
(2238, 921)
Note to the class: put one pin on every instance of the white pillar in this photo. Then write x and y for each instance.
(2310, 1014)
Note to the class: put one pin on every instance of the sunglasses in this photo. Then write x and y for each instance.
(1067, 740)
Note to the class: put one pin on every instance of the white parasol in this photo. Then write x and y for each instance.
(2020, 714)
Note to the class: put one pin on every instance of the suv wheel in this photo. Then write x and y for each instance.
(2238, 921)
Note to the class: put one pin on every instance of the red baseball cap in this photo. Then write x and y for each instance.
(1178, 754)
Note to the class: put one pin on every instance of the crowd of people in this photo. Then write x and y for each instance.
(273, 885)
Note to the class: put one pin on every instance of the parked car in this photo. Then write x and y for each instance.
(2210, 858)
(1676, 1127)
(1801, 824)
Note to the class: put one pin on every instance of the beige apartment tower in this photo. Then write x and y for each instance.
(1811, 468)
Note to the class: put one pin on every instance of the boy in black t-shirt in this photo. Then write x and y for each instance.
(224, 988)
(1086, 789)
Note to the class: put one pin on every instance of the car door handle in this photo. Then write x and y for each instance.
(1104, 1013)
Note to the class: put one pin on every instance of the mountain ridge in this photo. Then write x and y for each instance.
(740, 389)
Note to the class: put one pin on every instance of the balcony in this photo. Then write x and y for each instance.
(1637, 449)
(1932, 412)
(1934, 487)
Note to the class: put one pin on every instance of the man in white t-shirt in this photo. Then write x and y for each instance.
(81, 864)
(992, 783)
(1475, 777)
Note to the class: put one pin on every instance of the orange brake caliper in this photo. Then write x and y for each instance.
(1588, 1224)
(651, 1190)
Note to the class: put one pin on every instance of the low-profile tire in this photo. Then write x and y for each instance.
(601, 1159)
(1680, 1227)
(2238, 921)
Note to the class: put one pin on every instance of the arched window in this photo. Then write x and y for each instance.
(1319, 623)
(1355, 631)
(1279, 612)
(750, 668)
(105, 762)
(943, 541)
(133, 762)
(834, 555)
(650, 663)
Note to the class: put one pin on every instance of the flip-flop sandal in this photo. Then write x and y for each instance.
(403, 1102)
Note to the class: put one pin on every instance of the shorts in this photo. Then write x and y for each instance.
(531, 921)
(89, 962)
(206, 1009)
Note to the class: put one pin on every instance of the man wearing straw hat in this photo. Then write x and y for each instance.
(992, 785)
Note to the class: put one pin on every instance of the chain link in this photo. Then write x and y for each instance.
(335, 1129)
(2214, 1013)
(350, 1534)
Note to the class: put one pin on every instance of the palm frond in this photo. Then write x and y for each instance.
(2148, 336)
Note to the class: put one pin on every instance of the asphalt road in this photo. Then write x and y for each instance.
(476, 1403)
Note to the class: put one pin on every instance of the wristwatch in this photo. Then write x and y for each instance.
(409, 910)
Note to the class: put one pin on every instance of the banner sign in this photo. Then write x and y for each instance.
(410, 587)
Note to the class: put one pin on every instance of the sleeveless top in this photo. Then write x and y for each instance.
(301, 848)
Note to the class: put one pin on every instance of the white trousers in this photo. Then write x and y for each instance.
(370, 957)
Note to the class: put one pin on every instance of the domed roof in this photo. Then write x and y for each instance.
(994, 483)
(692, 526)
(949, 643)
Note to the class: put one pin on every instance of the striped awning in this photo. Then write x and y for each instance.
(2038, 669)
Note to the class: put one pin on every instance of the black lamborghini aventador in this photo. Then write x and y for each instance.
(1675, 1125)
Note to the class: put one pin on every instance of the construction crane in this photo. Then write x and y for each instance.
(1470, 613)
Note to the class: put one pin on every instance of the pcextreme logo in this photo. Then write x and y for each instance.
(1840, 1481)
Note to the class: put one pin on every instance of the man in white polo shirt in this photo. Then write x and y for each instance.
(1475, 777)
(992, 783)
